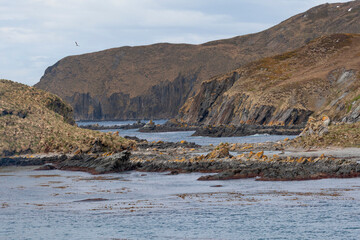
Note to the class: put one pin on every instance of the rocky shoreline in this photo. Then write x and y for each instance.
(206, 130)
(124, 127)
(223, 130)
(224, 162)
(170, 126)
(246, 130)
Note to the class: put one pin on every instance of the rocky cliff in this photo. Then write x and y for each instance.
(323, 77)
(154, 81)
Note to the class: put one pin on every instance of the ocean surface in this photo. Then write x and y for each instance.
(119, 123)
(136, 205)
(185, 135)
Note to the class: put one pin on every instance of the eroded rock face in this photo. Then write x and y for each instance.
(154, 81)
(319, 78)
(160, 101)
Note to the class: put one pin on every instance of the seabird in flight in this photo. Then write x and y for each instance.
(76, 44)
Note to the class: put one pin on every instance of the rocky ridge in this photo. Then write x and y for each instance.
(320, 78)
(154, 81)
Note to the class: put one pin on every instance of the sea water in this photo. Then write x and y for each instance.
(185, 135)
(134, 205)
(118, 123)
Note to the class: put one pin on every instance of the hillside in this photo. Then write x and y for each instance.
(154, 81)
(322, 133)
(320, 78)
(34, 121)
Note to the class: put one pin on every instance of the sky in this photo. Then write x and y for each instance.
(35, 34)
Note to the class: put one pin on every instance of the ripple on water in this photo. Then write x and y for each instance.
(158, 206)
(185, 135)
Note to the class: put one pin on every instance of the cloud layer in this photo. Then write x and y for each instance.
(37, 33)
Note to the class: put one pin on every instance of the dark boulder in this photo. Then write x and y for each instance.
(104, 163)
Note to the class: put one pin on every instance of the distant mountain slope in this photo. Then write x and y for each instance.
(154, 81)
(322, 77)
(33, 121)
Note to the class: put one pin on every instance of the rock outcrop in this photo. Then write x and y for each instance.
(316, 127)
(266, 167)
(289, 171)
(320, 78)
(154, 81)
(117, 162)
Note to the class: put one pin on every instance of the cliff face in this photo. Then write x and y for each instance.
(154, 81)
(322, 77)
(158, 102)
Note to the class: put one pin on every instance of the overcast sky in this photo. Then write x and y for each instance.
(35, 34)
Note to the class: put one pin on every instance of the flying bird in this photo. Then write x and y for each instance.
(76, 44)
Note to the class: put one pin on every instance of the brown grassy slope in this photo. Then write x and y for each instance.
(135, 70)
(321, 77)
(338, 135)
(32, 120)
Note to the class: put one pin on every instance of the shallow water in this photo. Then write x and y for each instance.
(133, 205)
(185, 135)
(118, 123)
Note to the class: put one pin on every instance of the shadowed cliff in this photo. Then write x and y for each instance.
(154, 81)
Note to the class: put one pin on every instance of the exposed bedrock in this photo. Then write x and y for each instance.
(161, 101)
(117, 162)
(285, 171)
(211, 106)
(321, 78)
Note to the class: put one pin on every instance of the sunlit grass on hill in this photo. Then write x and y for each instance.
(32, 120)
(339, 135)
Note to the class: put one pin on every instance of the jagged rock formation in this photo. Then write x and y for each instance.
(117, 162)
(316, 127)
(154, 81)
(319, 78)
